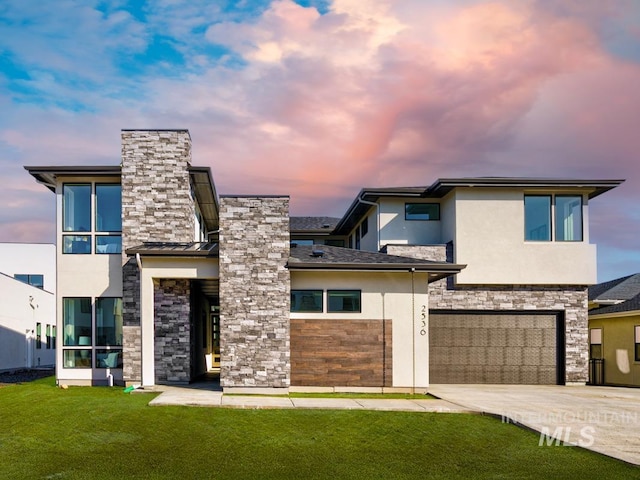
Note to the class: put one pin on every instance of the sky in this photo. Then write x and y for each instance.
(318, 98)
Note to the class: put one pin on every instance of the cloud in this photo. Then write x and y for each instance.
(285, 99)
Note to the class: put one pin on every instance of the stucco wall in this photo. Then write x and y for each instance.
(394, 229)
(23, 306)
(398, 297)
(618, 348)
(30, 258)
(489, 239)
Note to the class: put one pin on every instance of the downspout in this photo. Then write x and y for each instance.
(413, 329)
(373, 204)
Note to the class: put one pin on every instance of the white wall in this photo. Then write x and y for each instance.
(23, 306)
(93, 275)
(489, 239)
(384, 296)
(394, 229)
(30, 258)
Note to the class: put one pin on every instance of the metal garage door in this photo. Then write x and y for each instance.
(494, 348)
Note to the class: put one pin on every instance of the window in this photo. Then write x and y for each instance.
(34, 280)
(364, 227)
(76, 244)
(568, 218)
(76, 358)
(357, 238)
(537, 218)
(301, 241)
(109, 321)
(108, 244)
(343, 300)
(53, 337)
(76, 313)
(77, 218)
(637, 342)
(108, 358)
(76, 200)
(48, 337)
(306, 300)
(422, 211)
(595, 343)
(334, 243)
(38, 335)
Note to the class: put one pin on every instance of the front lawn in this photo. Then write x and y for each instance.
(95, 433)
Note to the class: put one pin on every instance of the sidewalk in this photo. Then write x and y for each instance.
(207, 398)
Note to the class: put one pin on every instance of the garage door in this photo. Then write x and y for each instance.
(494, 348)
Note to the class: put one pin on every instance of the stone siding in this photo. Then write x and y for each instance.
(570, 299)
(172, 328)
(254, 292)
(156, 207)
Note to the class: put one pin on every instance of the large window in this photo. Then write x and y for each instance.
(77, 219)
(77, 326)
(109, 321)
(343, 300)
(537, 217)
(306, 300)
(422, 211)
(35, 280)
(568, 218)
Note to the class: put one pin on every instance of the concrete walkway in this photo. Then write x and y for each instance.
(210, 398)
(603, 419)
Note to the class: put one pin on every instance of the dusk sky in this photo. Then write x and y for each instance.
(317, 99)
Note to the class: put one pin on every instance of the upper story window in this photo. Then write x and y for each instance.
(76, 201)
(568, 218)
(422, 211)
(77, 216)
(35, 280)
(364, 227)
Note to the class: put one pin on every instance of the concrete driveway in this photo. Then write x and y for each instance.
(602, 419)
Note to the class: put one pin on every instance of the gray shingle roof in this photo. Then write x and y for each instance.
(312, 224)
(620, 289)
(307, 257)
(627, 306)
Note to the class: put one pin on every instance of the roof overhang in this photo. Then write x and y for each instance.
(171, 249)
(206, 195)
(48, 175)
(593, 188)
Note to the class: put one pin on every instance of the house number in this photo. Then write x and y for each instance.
(423, 320)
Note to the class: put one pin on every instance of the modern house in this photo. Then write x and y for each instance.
(27, 296)
(614, 332)
(160, 279)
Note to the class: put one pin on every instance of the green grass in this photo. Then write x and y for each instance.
(95, 433)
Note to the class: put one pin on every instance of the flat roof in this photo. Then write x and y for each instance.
(175, 249)
(47, 175)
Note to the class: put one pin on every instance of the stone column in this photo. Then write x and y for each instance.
(157, 206)
(254, 292)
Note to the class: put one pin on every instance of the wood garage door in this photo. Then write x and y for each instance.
(495, 348)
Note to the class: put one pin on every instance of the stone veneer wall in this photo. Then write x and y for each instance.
(570, 299)
(156, 206)
(172, 331)
(254, 292)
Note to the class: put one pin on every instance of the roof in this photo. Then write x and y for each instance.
(47, 175)
(443, 186)
(201, 179)
(175, 249)
(616, 296)
(312, 224)
(325, 257)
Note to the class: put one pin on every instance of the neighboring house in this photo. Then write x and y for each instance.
(479, 280)
(614, 332)
(27, 297)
